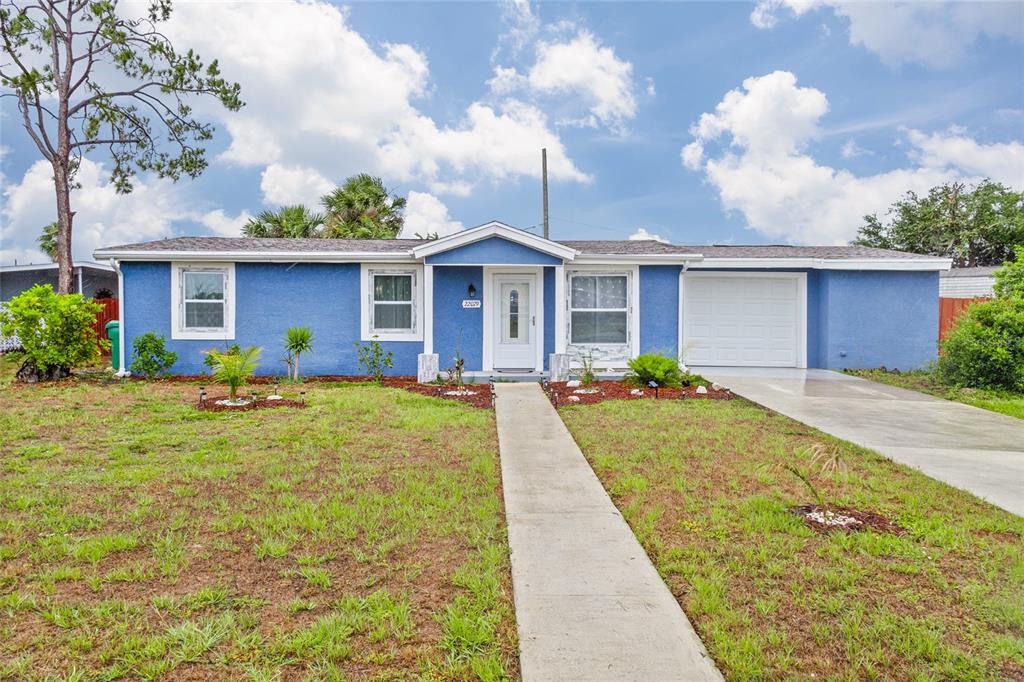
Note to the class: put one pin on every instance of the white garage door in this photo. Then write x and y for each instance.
(752, 320)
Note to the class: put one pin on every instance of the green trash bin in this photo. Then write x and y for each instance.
(114, 334)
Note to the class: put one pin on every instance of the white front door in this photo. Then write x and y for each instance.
(514, 321)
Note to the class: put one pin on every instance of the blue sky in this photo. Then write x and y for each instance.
(794, 122)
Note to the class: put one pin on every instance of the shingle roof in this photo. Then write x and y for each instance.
(985, 271)
(784, 251)
(591, 247)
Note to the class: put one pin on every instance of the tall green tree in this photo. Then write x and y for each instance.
(973, 225)
(47, 240)
(289, 221)
(363, 208)
(1010, 278)
(87, 77)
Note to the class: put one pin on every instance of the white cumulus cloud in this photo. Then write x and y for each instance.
(642, 234)
(938, 34)
(761, 165)
(426, 215)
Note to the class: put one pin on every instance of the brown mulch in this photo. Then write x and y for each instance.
(864, 520)
(561, 395)
(210, 404)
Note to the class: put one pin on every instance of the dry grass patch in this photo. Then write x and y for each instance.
(704, 487)
(359, 537)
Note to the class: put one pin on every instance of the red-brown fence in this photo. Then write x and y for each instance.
(950, 309)
(108, 313)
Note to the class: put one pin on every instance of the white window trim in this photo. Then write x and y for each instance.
(632, 274)
(367, 271)
(178, 330)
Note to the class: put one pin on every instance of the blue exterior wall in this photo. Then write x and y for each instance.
(493, 251)
(659, 309)
(876, 319)
(549, 314)
(270, 297)
(450, 318)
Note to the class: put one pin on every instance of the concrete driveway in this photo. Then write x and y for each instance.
(967, 447)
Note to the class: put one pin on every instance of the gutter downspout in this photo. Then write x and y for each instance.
(682, 292)
(123, 372)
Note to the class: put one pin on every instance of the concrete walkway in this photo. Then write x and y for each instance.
(976, 450)
(589, 604)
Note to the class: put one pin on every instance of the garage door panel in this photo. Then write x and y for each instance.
(742, 320)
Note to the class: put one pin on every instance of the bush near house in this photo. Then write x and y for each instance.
(151, 358)
(55, 330)
(656, 367)
(986, 347)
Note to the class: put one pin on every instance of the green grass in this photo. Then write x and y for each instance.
(704, 486)
(1005, 402)
(139, 538)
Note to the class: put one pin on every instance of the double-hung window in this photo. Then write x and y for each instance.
(391, 303)
(599, 308)
(203, 301)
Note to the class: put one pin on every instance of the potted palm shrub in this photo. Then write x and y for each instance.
(233, 369)
(298, 340)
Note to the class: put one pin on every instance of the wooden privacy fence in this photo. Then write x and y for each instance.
(108, 313)
(950, 309)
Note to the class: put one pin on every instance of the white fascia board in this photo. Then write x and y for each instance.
(53, 266)
(905, 264)
(639, 259)
(261, 256)
(494, 229)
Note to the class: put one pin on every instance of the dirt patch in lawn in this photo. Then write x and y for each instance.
(831, 519)
(219, 403)
(562, 393)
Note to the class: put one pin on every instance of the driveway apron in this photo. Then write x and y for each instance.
(589, 603)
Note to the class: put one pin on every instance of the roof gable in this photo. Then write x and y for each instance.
(495, 229)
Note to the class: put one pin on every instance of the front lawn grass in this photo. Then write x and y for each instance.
(703, 485)
(361, 537)
(1006, 402)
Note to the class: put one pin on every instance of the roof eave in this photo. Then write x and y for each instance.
(906, 264)
(259, 256)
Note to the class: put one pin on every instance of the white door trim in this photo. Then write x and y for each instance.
(801, 301)
(537, 303)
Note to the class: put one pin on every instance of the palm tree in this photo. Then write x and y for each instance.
(234, 368)
(298, 340)
(47, 240)
(289, 221)
(363, 208)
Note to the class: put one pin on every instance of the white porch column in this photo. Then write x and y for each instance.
(560, 306)
(428, 309)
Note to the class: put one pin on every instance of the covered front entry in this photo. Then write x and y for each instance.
(513, 322)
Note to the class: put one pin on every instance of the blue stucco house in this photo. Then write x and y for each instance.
(510, 301)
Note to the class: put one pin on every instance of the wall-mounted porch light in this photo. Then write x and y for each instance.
(471, 290)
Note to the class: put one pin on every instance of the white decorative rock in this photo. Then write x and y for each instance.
(574, 398)
(702, 390)
(575, 383)
(274, 397)
(636, 391)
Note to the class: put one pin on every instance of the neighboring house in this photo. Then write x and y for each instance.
(967, 282)
(90, 279)
(510, 301)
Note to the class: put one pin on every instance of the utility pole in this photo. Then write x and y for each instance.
(544, 174)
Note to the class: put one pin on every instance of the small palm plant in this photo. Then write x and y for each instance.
(234, 368)
(298, 340)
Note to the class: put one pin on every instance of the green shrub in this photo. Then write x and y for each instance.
(985, 349)
(656, 367)
(55, 331)
(151, 358)
(234, 368)
(375, 359)
(1010, 278)
(233, 349)
(298, 340)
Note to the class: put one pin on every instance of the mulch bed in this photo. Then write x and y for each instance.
(844, 519)
(561, 394)
(210, 404)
